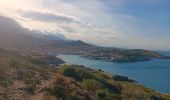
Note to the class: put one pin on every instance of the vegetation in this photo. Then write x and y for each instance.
(98, 85)
(22, 78)
(19, 74)
(123, 55)
(47, 60)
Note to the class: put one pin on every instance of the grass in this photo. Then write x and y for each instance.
(71, 82)
(91, 84)
(101, 86)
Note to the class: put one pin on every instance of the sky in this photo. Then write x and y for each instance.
(141, 24)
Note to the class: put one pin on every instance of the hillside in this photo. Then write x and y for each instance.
(22, 78)
(13, 36)
(123, 55)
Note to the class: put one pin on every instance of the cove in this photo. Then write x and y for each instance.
(153, 74)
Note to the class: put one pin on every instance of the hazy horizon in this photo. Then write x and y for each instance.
(133, 24)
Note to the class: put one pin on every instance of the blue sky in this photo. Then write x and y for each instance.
(141, 24)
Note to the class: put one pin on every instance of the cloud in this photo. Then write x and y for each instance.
(10, 29)
(49, 17)
(103, 22)
(68, 29)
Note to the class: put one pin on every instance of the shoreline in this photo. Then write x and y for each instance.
(94, 66)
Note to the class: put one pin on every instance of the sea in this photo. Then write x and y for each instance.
(154, 74)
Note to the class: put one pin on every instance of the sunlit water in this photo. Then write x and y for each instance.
(154, 74)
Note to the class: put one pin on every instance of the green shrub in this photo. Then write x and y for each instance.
(102, 93)
(6, 83)
(77, 73)
(31, 88)
(106, 94)
(91, 84)
(32, 81)
(71, 72)
(86, 74)
(3, 96)
(3, 75)
(57, 89)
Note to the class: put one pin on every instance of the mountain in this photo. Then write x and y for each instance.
(12, 35)
(51, 36)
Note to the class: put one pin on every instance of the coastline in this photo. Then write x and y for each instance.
(125, 69)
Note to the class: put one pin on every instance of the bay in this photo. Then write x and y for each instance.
(154, 74)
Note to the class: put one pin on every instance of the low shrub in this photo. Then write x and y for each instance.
(71, 72)
(31, 88)
(91, 84)
(58, 89)
(86, 75)
(6, 83)
(102, 93)
(3, 96)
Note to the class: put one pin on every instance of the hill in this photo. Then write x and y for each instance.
(13, 36)
(22, 78)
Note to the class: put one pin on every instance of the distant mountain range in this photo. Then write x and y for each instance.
(12, 35)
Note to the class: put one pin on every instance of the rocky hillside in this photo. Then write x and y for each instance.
(22, 78)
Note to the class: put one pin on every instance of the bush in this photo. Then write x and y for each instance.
(102, 93)
(31, 88)
(91, 84)
(3, 96)
(71, 72)
(6, 83)
(58, 89)
(3, 75)
(86, 75)
(76, 73)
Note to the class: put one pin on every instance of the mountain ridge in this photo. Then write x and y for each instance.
(15, 36)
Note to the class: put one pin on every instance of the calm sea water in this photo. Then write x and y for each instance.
(153, 74)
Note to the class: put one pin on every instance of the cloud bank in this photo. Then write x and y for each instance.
(48, 17)
(120, 23)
